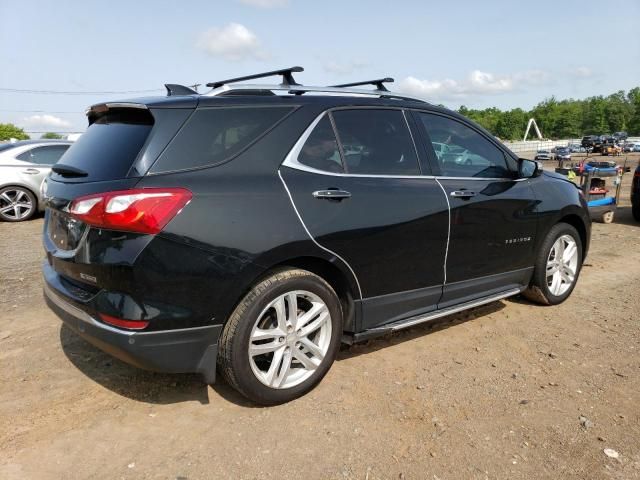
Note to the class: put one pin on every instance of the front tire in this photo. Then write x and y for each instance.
(557, 266)
(282, 338)
(635, 211)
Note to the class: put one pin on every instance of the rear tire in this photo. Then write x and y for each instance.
(635, 211)
(17, 204)
(557, 266)
(272, 353)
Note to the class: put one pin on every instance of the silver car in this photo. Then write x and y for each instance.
(23, 167)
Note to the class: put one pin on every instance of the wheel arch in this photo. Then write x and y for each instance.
(578, 223)
(339, 280)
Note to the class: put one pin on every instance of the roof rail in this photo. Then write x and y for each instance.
(379, 83)
(175, 89)
(287, 78)
(251, 89)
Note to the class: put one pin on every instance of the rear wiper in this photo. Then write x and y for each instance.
(68, 171)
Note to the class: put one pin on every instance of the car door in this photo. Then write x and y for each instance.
(355, 179)
(493, 212)
(41, 159)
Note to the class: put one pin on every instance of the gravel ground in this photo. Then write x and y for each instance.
(508, 390)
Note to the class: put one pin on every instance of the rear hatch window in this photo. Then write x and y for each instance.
(109, 147)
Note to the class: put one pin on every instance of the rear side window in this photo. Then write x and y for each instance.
(110, 145)
(376, 142)
(463, 152)
(44, 155)
(321, 151)
(214, 135)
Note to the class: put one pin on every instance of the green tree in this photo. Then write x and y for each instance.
(52, 136)
(618, 111)
(511, 124)
(9, 131)
(565, 118)
(594, 120)
(634, 121)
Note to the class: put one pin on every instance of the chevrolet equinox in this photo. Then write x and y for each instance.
(252, 229)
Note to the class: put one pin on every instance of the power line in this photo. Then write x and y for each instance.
(53, 131)
(60, 92)
(42, 111)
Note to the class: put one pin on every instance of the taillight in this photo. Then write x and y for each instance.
(122, 323)
(141, 210)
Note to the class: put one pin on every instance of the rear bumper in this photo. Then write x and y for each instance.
(172, 351)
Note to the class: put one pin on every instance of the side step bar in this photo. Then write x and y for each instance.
(418, 319)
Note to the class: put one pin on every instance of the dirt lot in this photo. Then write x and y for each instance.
(497, 392)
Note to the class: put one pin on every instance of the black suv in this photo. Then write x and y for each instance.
(590, 142)
(620, 136)
(256, 227)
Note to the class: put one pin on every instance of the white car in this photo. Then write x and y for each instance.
(23, 167)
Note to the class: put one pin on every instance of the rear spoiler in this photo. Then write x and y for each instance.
(96, 111)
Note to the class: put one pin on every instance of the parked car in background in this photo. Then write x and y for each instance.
(590, 142)
(543, 155)
(620, 136)
(628, 147)
(440, 149)
(23, 167)
(586, 166)
(252, 229)
(636, 147)
(576, 148)
(562, 154)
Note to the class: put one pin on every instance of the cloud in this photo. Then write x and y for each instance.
(582, 72)
(344, 68)
(265, 3)
(476, 83)
(45, 121)
(233, 42)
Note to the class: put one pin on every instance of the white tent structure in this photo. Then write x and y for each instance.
(532, 121)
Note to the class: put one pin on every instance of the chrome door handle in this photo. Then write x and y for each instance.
(332, 194)
(462, 194)
(31, 171)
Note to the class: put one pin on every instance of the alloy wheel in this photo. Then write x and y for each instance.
(15, 204)
(562, 265)
(290, 339)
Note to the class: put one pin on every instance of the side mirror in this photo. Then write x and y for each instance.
(529, 168)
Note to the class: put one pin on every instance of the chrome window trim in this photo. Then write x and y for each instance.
(291, 160)
(295, 209)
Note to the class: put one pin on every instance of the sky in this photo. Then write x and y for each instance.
(479, 53)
